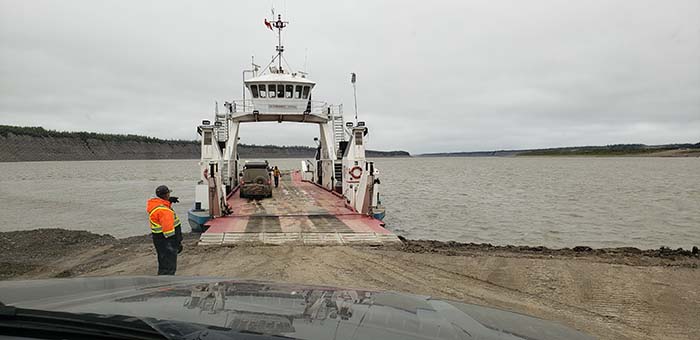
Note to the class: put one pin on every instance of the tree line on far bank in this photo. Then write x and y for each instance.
(612, 149)
(40, 132)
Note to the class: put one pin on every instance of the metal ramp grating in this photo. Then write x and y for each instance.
(307, 239)
(281, 238)
(211, 239)
(322, 238)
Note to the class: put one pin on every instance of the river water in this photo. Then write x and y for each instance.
(555, 202)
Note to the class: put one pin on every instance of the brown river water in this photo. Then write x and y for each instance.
(555, 202)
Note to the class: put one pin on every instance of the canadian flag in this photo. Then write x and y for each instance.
(268, 24)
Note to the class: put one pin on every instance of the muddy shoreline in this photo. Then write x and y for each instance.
(611, 293)
(451, 248)
(30, 251)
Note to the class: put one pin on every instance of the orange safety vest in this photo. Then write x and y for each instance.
(162, 217)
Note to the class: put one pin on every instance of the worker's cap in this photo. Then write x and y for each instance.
(162, 190)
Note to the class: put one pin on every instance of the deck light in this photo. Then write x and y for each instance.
(348, 124)
(206, 122)
(360, 123)
(217, 124)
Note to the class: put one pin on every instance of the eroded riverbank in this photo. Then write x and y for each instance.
(616, 293)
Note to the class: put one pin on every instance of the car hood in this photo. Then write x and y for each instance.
(300, 311)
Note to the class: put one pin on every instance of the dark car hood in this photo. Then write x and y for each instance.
(308, 312)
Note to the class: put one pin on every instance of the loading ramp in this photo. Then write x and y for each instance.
(299, 212)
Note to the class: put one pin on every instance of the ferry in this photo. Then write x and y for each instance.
(331, 199)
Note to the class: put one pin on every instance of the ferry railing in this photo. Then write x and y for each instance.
(318, 108)
(334, 110)
(238, 106)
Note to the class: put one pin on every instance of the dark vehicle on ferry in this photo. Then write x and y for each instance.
(255, 180)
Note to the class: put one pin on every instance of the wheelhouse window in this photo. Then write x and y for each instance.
(254, 90)
(297, 93)
(263, 91)
(271, 91)
(280, 91)
(207, 137)
(288, 90)
(306, 91)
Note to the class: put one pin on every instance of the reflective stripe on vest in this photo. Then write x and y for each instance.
(176, 224)
(157, 228)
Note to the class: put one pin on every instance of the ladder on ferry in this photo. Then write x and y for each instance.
(338, 131)
(338, 136)
(338, 173)
(338, 128)
(222, 137)
(222, 129)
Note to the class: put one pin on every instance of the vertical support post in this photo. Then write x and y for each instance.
(232, 151)
(244, 71)
(353, 79)
(327, 153)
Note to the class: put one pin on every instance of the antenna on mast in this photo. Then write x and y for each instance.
(279, 25)
(306, 54)
(353, 79)
(256, 67)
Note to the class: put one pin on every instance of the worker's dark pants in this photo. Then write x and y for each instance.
(167, 249)
(277, 181)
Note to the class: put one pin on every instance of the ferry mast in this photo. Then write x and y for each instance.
(279, 24)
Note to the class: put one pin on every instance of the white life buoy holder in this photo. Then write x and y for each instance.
(356, 172)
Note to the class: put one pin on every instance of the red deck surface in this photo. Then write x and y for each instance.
(295, 207)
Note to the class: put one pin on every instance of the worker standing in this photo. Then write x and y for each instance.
(165, 230)
(277, 174)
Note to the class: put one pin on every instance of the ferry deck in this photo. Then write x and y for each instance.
(299, 212)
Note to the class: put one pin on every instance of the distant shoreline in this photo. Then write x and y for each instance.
(618, 150)
(184, 159)
(26, 144)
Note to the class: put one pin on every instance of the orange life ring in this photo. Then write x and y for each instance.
(353, 172)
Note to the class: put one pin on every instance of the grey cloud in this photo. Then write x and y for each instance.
(432, 76)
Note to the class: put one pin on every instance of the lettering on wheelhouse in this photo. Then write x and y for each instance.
(289, 107)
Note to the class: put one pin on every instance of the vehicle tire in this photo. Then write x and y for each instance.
(242, 196)
(259, 180)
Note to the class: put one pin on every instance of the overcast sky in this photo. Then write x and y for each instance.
(433, 76)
